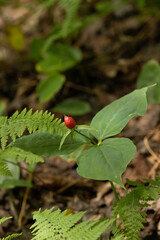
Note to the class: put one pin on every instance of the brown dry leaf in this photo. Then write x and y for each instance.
(150, 120)
(101, 191)
(137, 169)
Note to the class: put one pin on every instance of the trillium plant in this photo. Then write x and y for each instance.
(106, 156)
(103, 156)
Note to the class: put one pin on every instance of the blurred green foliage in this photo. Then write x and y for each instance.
(54, 53)
(2, 107)
(73, 107)
(150, 74)
(48, 87)
(3, 2)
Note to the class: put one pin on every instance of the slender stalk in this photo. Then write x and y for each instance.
(114, 190)
(92, 141)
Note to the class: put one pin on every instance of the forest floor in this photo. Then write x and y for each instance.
(114, 50)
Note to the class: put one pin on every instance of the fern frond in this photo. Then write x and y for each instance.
(16, 154)
(57, 225)
(120, 236)
(71, 7)
(12, 236)
(20, 155)
(38, 121)
(2, 220)
(126, 207)
(4, 168)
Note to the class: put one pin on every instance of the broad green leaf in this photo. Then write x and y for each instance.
(74, 155)
(112, 119)
(73, 107)
(60, 58)
(12, 183)
(107, 161)
(46, 144)
(150, 74)
(48, 87)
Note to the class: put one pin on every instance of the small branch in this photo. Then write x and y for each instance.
(114, 190)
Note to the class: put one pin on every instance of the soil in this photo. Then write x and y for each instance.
(114, 47)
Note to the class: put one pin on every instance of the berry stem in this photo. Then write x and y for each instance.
(92, 141)
(114, 190)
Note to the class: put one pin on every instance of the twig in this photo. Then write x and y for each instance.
(21, 214)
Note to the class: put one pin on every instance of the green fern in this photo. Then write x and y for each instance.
(4, 168)
(126, 207)
(12, 236)
(58, 225)
(2, 220)
(16, 154)
(71, 7)
(16, 125)
(19, 155)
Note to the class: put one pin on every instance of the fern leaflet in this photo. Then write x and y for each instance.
(16, 154)
(38, 121)
(4, 169)
(126, 207)
(57, 225)
(12, 236)
(71, 7)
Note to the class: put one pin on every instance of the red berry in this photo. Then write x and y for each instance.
(69, 122)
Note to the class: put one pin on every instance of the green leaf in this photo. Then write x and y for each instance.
(46, 144)
(112, 119)
(60, 58)
(12, 183)
(73, 107)
(35, 48)
(15, 37)
(150, 74)
(107, 161)
(48, 87)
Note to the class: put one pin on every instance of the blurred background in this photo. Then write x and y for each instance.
(74, 57)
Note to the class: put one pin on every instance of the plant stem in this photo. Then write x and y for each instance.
(92, 141)
(114, 190)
